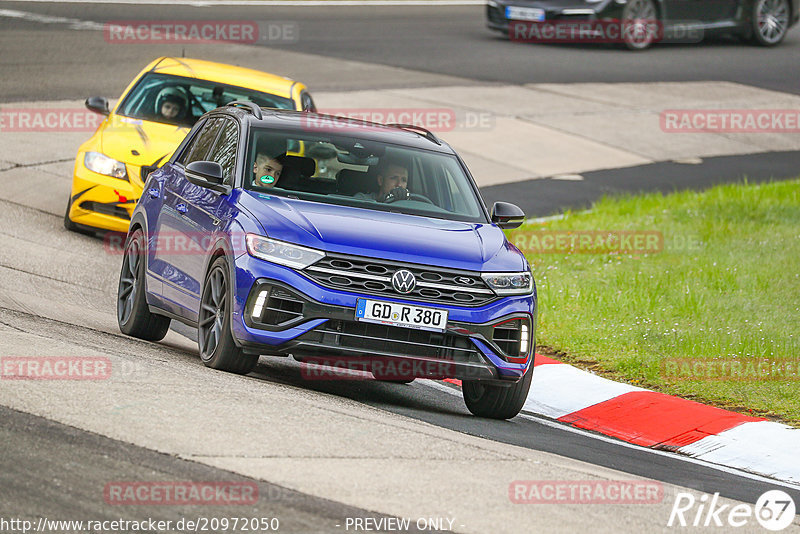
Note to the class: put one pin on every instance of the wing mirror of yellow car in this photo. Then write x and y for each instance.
(206, 174)
(98, 104)
(507, 216)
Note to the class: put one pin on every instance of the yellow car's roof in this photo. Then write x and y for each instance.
(220, 72)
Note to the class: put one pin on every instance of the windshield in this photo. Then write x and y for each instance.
(178, 100)
(361, 173)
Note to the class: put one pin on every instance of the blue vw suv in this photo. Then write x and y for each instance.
(333, 240)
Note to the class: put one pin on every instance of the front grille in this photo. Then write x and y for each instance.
(106, 209)
(379, 338)
(281, 307)
(374, 277)
(507, 335)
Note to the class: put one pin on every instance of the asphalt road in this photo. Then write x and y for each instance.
(443, 41)
(49, 60)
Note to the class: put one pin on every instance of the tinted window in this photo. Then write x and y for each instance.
(202, 143)
(224, 151)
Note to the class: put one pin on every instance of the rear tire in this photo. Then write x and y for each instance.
(769, 21)
(214, 338)
(496, 402)
(133, 315)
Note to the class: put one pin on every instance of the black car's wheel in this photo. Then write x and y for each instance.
(640, 26)
(496, 402)
(217, 348)
(770, 21)
(133, 315)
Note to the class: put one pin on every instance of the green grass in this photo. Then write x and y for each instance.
(725, 287)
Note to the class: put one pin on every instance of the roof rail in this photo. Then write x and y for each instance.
(427, 133)
(254, 109)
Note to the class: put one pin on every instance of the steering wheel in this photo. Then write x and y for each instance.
(401, 193)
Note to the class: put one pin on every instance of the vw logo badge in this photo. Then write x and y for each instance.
(403, 281)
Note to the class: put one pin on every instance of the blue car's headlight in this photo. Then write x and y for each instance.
(282, 253)
(509, 283)
(102, 164)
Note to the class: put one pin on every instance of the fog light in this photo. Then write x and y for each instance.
(259, 305)
(523, 339)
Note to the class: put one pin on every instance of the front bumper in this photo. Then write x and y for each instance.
(553, 11)
(316, 324)
(101, 201)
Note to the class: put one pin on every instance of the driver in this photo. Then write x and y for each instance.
(171, 103)
(392, 182)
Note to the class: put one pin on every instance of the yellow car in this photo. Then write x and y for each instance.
(153, 115)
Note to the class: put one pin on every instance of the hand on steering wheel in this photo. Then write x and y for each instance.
(401, 193)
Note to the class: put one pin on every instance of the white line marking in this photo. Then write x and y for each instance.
(562, 426)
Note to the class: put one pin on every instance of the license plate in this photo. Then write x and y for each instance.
(525, 13)
(392, 313)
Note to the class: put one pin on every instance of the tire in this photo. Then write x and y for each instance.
(74, 227)
(133, 315)
(496, 402)
(638, 36)
(769, 21)
(214, 338)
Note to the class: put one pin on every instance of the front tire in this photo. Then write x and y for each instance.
(639, 24)
(214, 338)
(497, 402)
(769, 21)
(133, 315)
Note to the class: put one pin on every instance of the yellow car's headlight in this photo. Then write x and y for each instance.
(102, 164)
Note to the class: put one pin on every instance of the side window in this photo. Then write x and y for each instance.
(224, 151)
(199, 148)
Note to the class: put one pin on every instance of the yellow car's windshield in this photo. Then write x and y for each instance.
(178, 100)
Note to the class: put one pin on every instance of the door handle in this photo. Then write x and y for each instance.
(182, 208)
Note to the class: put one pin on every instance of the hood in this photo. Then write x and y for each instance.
(378, 234)
(121, 136)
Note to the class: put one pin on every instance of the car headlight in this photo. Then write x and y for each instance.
(282, 253)
(509, 283)
(102, 164)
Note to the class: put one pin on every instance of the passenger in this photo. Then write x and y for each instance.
(267, 168)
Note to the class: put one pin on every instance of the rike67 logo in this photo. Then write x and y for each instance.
(774, 510)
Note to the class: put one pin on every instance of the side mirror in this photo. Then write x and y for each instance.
(98, 104)
(507, 216)
(206, 174)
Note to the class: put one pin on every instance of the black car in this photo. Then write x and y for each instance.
(765, 22)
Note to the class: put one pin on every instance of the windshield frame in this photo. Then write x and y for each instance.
(189, 80)
(349, 201)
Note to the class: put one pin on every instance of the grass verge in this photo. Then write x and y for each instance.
(693, 294)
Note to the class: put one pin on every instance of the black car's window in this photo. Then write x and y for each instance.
(192, 96)
(345, 170)
(203, 142)
(224, 151)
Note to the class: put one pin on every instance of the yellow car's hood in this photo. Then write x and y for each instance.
(139, 142)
